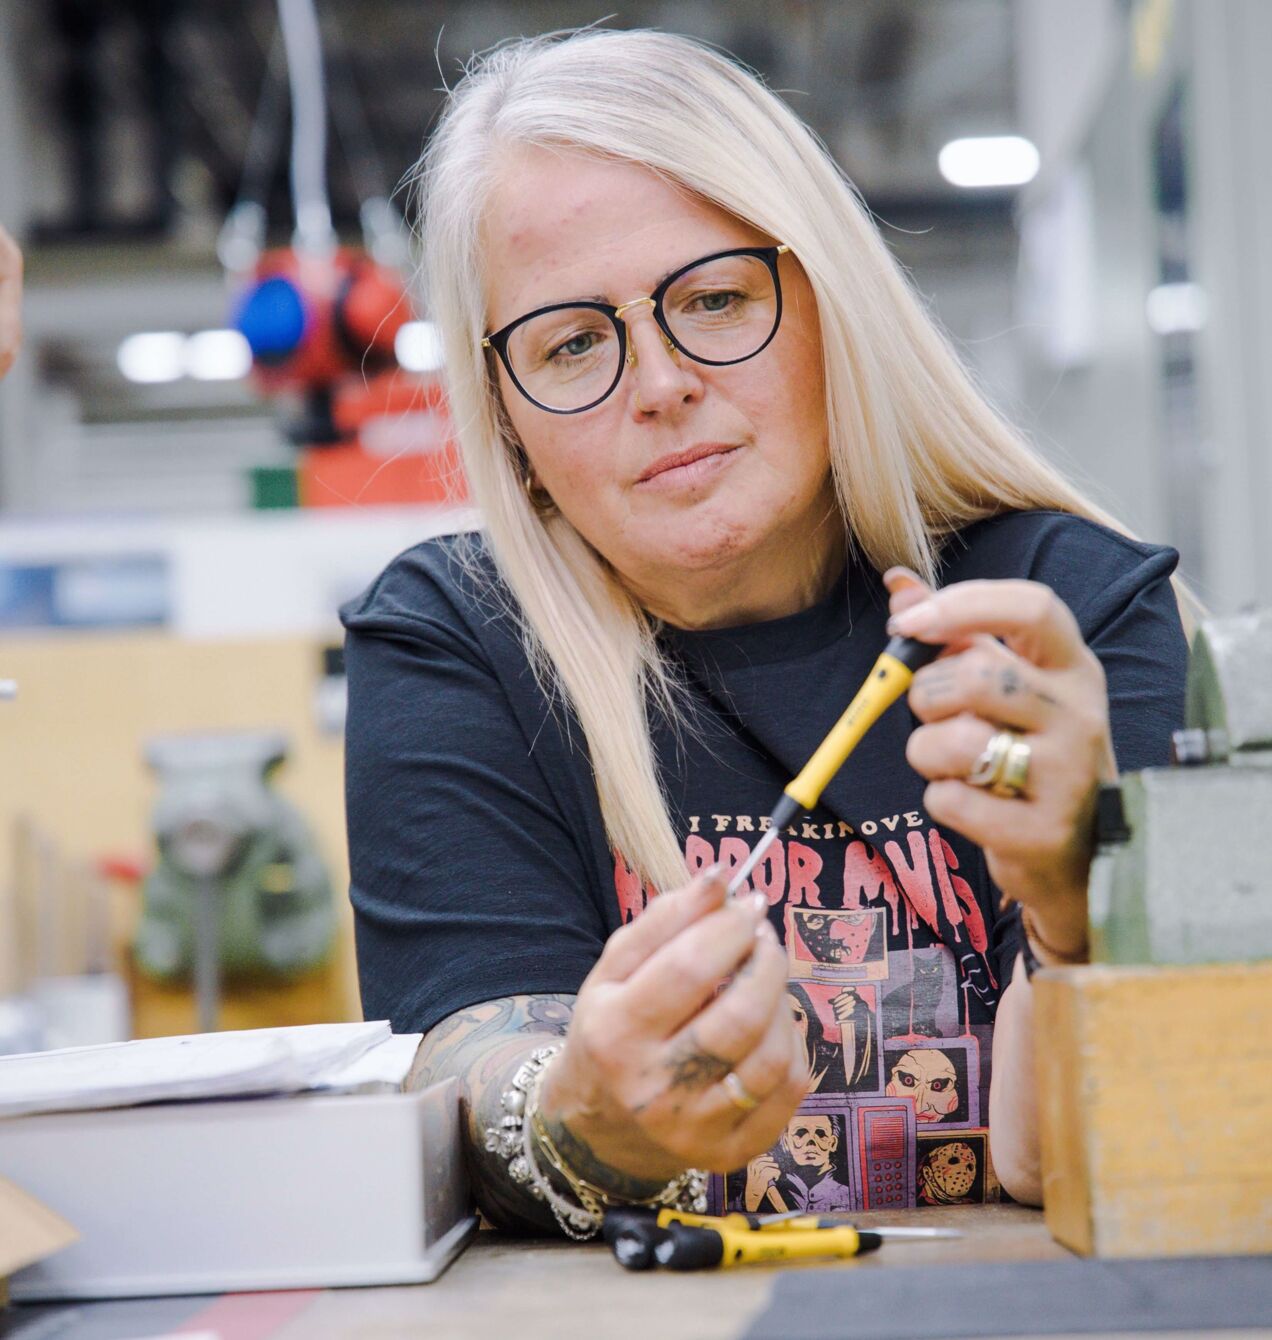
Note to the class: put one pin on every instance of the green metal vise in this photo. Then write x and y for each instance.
(239, 890)
(1192, 883)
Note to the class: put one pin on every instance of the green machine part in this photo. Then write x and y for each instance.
(1193, 884)
(235, 861)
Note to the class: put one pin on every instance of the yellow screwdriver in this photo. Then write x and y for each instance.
(684, 1247)
(886, 682)
(634, 1232)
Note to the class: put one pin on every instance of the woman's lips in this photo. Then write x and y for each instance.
(687, 467)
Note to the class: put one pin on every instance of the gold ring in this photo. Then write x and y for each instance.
(988, 768)
(1012, 779)
(739, 1096)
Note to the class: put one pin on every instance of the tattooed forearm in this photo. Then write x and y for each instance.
(482, 1047)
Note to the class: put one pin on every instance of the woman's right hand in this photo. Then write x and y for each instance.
(640, 1080)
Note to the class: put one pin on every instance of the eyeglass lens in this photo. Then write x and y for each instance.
(719, 312)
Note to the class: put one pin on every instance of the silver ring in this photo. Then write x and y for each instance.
(739, 1095)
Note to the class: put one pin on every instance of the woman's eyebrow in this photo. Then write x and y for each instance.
(604, 298)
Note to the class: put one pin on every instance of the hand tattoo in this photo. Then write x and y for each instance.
(1011, 683)
(692, 1067)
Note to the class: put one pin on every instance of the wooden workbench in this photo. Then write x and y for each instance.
(511, 1289)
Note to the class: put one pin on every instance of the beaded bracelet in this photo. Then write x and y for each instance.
(515, 1138)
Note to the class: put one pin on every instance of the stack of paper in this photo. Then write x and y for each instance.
(276, 1158)
(345, 1058)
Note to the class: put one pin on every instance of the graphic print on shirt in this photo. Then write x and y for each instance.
(892, 989)
(956, 1170)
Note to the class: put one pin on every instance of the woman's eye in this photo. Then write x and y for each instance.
(719, 301)
(576, 346)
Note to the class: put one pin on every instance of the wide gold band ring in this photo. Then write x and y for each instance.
(739, 1095)
(1015, 773)
(1003, 765)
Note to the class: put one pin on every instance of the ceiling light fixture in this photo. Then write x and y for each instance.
(217, 356)
(989, 160)
(1174, 309)
(418, 347)
(152, 357)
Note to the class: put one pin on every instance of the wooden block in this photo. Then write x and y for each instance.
(1155, 1105)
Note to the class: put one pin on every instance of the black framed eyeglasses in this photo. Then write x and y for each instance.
(719, 310)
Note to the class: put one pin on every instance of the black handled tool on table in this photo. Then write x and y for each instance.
(642, 1238)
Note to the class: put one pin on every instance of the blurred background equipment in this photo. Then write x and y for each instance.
(1189, 882)
(239, 891)
(78, 820)
(1113, 301)
(1138, 1159)
(332, 326)
(59, 980)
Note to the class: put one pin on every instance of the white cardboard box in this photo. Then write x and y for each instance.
(229, 1195)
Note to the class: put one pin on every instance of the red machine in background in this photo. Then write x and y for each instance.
(331, 328)
(326, 331)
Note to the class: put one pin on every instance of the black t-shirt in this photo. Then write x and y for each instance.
(480, 866)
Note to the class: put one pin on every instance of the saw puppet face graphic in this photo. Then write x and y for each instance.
(927, 1077)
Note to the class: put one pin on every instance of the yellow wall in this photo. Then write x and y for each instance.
(71, 760)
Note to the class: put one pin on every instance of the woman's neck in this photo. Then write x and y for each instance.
(755, 588)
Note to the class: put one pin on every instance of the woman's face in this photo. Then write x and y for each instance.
(756, 506)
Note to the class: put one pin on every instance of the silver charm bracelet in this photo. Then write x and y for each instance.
(514, 1140)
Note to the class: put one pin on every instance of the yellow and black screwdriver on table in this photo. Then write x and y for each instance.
(887, 681)
(678, 1240)
(684, 1247)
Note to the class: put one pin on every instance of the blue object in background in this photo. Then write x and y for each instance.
(271, 318)
(97, 592)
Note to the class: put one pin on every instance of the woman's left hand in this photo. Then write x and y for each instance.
(1040, 680)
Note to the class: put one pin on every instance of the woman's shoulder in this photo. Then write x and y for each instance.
(1093, 568)
(444, 581)
(1018, 543)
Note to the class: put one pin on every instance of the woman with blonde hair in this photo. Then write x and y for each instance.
(719, 453)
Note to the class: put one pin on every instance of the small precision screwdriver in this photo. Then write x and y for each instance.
(886, 682)
(687, 1248)
(634, 1233)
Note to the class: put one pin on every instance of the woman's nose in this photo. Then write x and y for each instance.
(661, 377)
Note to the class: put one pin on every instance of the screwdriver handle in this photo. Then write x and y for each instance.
(886, 682)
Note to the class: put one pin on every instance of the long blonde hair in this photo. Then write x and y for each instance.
(916, 451)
